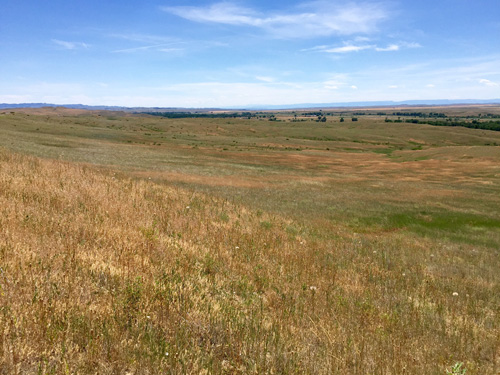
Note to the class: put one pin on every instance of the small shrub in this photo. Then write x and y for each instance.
(457, 369)
(266, 224)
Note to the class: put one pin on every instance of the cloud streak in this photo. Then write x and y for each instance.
(314, 19)
(350, 47)
(155, 47)
(392, 47)
(347, 49)
(70, 45)
(488, 83)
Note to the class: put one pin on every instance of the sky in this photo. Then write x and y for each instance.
(183, 53)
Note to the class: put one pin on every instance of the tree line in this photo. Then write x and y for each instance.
(474, 124)
(201, 115)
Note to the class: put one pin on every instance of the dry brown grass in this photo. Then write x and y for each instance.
(101, 273)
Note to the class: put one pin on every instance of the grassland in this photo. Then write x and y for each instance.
(137, 244)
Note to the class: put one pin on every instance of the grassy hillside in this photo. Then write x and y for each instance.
(375, 251)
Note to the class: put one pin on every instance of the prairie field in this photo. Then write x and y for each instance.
(138, 244)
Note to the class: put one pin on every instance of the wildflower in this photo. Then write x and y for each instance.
(166, 354)
(374, 251)
(187, 207)
(237, 247)
(455, 294)
(313, 288)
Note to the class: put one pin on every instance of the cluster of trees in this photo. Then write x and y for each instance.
(402, 114)
(483, 116)
(320, 113)
(474, 124)
(201, 115)
(369, 114)
(420, 114)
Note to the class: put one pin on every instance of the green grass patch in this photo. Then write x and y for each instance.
(455, 226)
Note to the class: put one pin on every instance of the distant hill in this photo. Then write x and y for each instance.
(261, 107)
(71, 106)
(100, 107)
(377, 104)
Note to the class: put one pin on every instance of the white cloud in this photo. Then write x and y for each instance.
(430, 85)
(70, 45)
(354, 87)
(346, 49)
(351, 47)
(489, 83)
(313, 19)
(410, 45)
(392, 47)
(393, 86)
(336, 82)
(224, 12)
(332, 84)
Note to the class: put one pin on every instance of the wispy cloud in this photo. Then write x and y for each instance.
(156, 47)
(346, 49)
(489, 83)
(159, 43)
(353, 47)
(332, 84)
(313, 19)
(70, 45)
(338, 82)
(392, 47)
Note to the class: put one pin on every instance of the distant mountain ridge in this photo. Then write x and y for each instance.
(436, 102)
(261, 107)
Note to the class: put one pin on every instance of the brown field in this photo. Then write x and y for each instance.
(132, 244)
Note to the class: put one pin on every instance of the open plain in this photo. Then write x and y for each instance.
(140, 244)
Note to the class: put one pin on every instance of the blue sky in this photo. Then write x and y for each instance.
(250, 52)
